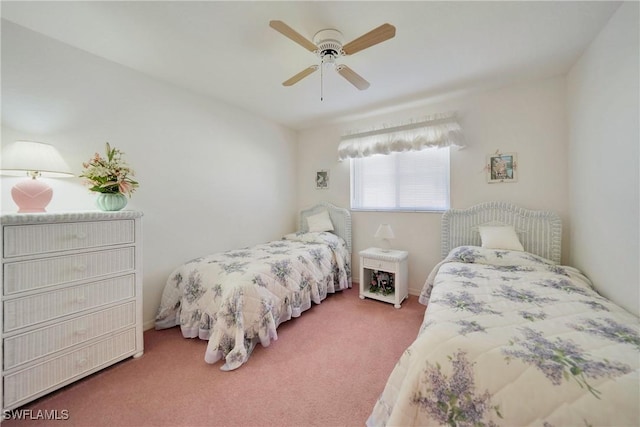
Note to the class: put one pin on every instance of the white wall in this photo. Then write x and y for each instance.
(603, 112)
(529, 119)
(212, 177)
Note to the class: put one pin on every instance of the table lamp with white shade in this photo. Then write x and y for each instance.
(33, 159)
(385, 233)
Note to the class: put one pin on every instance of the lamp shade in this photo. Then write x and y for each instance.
(23, 157)
(384, 232)
(33, 159)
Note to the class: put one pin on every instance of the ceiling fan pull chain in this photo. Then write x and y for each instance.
(321, 81)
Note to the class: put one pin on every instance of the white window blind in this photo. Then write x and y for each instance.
(406, 181)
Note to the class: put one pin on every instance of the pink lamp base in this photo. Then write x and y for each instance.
(31, 195)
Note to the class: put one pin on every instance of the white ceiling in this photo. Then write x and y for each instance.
(227, 49)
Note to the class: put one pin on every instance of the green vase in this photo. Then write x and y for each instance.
(111, 201)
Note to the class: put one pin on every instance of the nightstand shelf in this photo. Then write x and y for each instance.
(384, 275)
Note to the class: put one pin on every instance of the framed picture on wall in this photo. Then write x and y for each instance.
(322, 180)
(502, 167)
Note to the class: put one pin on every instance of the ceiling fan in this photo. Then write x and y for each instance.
(327, 45)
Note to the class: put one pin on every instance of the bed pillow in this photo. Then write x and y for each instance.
(500, 237)
(320, 222)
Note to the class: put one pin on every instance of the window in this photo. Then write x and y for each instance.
(401, 181)
(402, 167)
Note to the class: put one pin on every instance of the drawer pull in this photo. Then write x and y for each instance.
(81, 332)
(80, 268)
(80, 235)
(82, 362)
(81, 300)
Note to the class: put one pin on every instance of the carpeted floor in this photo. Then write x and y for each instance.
(327, 368)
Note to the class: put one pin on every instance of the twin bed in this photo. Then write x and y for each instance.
(512, 338)
(238, 298)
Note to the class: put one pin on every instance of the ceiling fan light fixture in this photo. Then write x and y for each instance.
(329, 60)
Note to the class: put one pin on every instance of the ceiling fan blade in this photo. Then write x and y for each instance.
(289, 32)
(373, 37)
(353, 77)
(301, 75)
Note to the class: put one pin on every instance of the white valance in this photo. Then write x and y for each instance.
(435, 131)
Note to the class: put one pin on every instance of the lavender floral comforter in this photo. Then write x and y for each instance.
(511, 339)
(238, 298)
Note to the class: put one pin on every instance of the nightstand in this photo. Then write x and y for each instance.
(383, 275)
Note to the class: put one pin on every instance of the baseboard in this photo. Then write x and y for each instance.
(149, 324)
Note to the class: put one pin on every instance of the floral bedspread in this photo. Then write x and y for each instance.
(511, 339)
(238, 298)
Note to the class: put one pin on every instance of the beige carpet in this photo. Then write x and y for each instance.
(327, 368)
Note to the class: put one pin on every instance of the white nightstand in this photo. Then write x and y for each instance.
(383, 275)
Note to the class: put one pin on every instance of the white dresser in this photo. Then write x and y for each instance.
(71, 298)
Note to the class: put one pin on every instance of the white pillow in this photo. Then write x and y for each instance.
(500, 237)
(320, 222)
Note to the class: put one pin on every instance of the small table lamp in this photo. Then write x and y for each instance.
(34, 159)
(385, 233)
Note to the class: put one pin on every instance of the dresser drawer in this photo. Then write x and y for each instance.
(27, 384)
(21, 240)
(379, 264)
(27, 311)
(40, 273)
(30, 346)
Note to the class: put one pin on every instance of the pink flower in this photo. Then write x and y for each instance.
(124, 187)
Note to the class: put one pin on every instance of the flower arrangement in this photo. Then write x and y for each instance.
(110, 175)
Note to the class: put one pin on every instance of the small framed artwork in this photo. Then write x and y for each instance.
(322, 180)
(502, 167)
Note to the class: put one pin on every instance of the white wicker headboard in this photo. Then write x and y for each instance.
(340, 217)
(540, 232)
